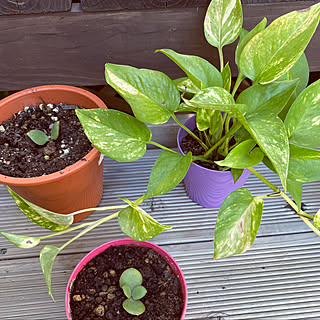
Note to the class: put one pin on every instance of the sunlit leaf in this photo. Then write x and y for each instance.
(304, 165)
(47, 256)
(169, 169)
(151, 94)
(132, 277)
(237, 223)
(273, 51)
(55, 131)
(42, 217)
(226, 77)
(303, 119)
(270, 98)
(242, 156)
(246, 36)
(22, 241)
(139, 225)
(201, 72)
(115, 134)
(223, 22)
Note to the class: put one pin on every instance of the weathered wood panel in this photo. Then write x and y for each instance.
(72, 48)
(107, 5)
(8, 7)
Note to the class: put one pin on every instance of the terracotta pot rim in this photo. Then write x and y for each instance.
(92, 154)
(126, 241)
(195, 164)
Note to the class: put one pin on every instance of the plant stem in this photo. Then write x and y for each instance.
(195, 158)
(226, 130)
(67, 230)
(233, 130)
(92, 226)
(282, 194)
(190, 132)
(161, 146)
(96, 209)
(207, 138)
(240, 78)
(310, 225)
(221, 59)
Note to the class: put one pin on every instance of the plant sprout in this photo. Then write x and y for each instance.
(131, 284)
(40, 138)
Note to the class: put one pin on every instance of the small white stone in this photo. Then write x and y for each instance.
(41, 106)
(63, 145)
(20, 111)
(2, 128)
(66, 151)
(26, 109)
(50, 105)
(54, 118)
(55, 110)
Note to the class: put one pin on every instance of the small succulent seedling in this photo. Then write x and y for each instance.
(131, 284)
(40, 138)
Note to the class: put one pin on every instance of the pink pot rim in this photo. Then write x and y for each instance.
(90, 156)
(194, 164)
(127, 241)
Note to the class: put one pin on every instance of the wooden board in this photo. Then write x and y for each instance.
(8, 7)
(72, 48)
(101, 5)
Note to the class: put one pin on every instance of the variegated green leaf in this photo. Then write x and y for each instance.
(226, 77)
(304, 165)
(223, 22)
(273, 51)
(115, 134)
(242, 156)
(303, 119)
(151, 94)
(169, 169)
(47, 256)
(246, 36)
(201, 72)
(42, 217)
(270, 98)
(237, 223)
(22, 241)
(138, 224)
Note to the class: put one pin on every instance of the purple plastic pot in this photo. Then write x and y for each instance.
(172, 263)
(208, 187)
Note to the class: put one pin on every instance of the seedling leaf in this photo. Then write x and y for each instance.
(139, 292)
(38, 137)
(134, 307)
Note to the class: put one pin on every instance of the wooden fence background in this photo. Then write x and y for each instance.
(68, 42)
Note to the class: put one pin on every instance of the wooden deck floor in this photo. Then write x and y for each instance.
(276, 279)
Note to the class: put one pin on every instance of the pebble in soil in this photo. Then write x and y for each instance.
(21, 157)
(96, 293)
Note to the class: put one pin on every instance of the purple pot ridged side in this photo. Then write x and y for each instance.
(204, 186)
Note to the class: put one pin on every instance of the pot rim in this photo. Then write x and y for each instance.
(181, 130)
(127, 241)
(90, 156)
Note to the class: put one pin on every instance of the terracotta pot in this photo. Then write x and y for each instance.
(204, 186)
(76, 187)
(169, 259)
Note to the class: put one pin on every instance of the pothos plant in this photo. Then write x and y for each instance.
(275, 120)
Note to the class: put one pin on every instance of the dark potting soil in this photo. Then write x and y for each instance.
(190, 144)
(96, 293)
(21, 157)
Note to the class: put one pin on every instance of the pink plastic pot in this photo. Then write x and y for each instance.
(173, 264)
(208, 187)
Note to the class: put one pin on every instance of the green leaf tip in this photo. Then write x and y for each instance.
(21, 241)
(38, 137)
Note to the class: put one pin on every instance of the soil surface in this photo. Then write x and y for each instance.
(96, 293)
(190, 144)
(21, 157)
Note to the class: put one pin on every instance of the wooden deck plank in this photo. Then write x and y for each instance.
(9, 7)
(191, 223)
(276, 279)
(72, 48)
